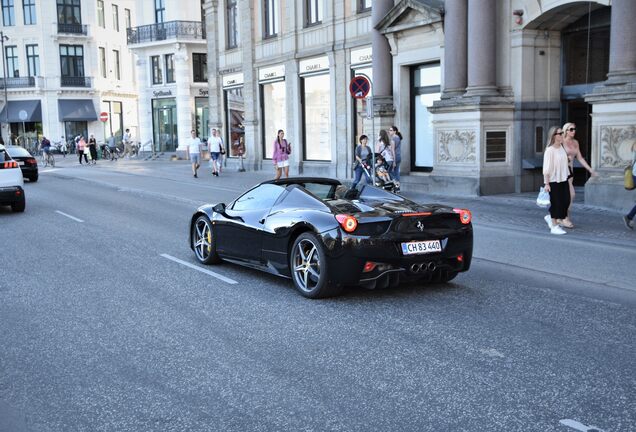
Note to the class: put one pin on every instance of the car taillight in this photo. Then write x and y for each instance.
(31, 161)
(464, 215)
(347, 222)
(10, 164)
(369, 266)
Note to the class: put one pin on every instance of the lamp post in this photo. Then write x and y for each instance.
(4, 74)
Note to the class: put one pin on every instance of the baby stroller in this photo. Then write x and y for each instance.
(383, 179)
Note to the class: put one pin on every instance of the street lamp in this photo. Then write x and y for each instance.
(4, 73)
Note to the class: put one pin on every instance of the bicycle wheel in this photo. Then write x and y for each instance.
(52, 160)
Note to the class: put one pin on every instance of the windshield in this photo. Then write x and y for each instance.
(18, 152)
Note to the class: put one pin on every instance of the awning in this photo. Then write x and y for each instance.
(76, 110)
(32, 108)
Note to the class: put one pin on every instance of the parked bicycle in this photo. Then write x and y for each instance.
(60, 147)
(108, 153)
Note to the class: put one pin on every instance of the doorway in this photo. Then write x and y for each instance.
(164, 119)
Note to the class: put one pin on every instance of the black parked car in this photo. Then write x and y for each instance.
(325, 236)
(28, 164)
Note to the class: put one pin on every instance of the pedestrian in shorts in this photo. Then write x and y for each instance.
(194, 151)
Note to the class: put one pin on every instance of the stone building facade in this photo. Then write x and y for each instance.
(474, 86)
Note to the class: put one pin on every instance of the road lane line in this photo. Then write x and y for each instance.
(202, 270)
(69, 216)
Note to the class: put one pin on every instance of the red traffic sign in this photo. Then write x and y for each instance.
(103, 116)
(359, 87)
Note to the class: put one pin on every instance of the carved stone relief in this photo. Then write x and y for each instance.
(616, 145)
(457, 146)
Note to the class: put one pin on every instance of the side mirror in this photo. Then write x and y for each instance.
(219, 208)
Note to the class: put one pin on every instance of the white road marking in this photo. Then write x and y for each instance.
(69, 216)
(579, 426)
(202, 270)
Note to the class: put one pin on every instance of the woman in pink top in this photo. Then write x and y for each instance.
(81, 145)
(282, 149)
(571, 146)
(555, 175)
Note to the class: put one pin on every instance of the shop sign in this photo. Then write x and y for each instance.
(203, 92)
(271, 73)
(360, 56)
(162, 93)
(314, 65)
(233, 80)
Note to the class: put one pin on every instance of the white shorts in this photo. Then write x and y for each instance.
(282, 164)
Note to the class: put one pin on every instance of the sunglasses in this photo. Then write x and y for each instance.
(572, 129)
(558, 133)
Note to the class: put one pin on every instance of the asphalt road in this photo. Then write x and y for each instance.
(108, 324)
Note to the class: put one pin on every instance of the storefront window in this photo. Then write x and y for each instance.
(235, 111)
(164, 124)
(426, 87)
(202, 117)
(317, 117)
(274, 114)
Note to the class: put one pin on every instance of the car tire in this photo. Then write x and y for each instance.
(19, 206)
(203, 241)
(33, 179)
(309, 269)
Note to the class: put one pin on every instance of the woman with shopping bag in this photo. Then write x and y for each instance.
(555, 175)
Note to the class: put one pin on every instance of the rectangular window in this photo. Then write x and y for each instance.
(496, 146)
(8, 13)
(127, 18)
(425, 90)
(538, 139)
(100, 14)
(271, 18)
(313, 12)
(116, 65)
(157, 74)
(102, 62)
(11, 55)
(69, 12)
(169, 59)
(33, 60)
(28, 8)
(160, 11)
(364, 6)
(235, 119)
(316, 91)
(274, 114)
(72, 60)
(232, 24)
(116, 17)
(200, 67)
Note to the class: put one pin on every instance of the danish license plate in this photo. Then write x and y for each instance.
(21, 162)
(421, 247)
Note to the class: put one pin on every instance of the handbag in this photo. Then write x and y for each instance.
(543, 199)
(288, 148)
(629, 178)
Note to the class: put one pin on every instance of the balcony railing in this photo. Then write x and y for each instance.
(167, 30)
(72, 28)
(17, 82)
(69, 81)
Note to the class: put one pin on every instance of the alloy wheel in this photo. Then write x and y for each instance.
(306, 265)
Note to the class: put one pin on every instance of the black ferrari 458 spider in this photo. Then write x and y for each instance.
(325, 236)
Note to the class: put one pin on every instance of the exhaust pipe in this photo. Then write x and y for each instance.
(423, 267)
(431, 266)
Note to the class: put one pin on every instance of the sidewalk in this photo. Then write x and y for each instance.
(512, 211)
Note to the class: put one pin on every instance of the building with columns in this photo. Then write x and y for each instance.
(65, 62)
(170, 60)
(473, 85)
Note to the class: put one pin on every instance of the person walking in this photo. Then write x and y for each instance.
(573, 150)
(215, 144)
(111, 146)
(92, 148)
(555, 175)
(282, 150)
(81, 149)
(386, 147)
(126, 139)
(396, 137)
(628, 219)
(194, 152)
(362, 157)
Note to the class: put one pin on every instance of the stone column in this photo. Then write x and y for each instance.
(214, 79)
(382, 63)
(455, 48)
(482, 48)
(185, 108)
(253, 147)
(144, 103)
(622, 65)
